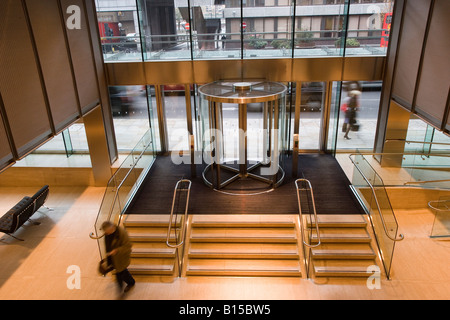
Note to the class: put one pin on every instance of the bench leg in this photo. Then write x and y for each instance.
(36, 223)
(14, 237)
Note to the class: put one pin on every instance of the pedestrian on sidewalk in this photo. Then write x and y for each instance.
(350, 107)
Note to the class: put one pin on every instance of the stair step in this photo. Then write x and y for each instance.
(242, 251)
(341, 272)
(342, 235)
(243, 221)
(153, 252)
(151, 269)
(246, 235)
(149, 220)
(339, 220)
(342, 268)
(342, 254)
(224, 267)
(149, 234)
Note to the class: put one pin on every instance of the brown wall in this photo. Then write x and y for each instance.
(50, 75)
(421, 77)
(416, 74)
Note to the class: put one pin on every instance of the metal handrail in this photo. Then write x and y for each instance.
(438, 209)
(93, 237)
(401, 236)
(423, 182)
(418, 142)
(314, 209)
(183, 230)
(400, 153)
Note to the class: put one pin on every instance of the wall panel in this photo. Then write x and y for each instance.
(82, 58)
(409, 50)
(53, 55)
(6, 156)
(434, 78)
(20, 83)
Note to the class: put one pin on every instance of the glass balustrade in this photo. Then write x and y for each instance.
(123, 185)
(441, 223)
(373, 196)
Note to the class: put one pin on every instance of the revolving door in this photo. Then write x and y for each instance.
(244, 129)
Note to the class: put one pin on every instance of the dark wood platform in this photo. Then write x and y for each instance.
(331, 190)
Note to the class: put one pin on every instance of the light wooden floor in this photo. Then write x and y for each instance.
(36, 268)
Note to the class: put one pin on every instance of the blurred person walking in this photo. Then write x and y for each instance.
(350, 108)
(118, 250)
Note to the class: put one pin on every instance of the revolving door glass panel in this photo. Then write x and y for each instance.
(244, 125)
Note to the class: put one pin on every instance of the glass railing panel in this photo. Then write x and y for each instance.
(307, 223)
(123, 185)
(216, 46)
(365, 42)
(121, 48)
(441, 223)
(106, 210)
(372, 192)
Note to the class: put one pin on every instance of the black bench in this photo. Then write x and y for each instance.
(22, 212)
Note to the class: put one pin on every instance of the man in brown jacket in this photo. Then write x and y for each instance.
(118, 250)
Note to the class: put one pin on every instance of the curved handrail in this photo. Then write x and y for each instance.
(94, 237)
(314, 211)
(401, 236)
(183, 230)
(438, 209)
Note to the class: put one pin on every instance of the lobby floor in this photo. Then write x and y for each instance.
(37, 268)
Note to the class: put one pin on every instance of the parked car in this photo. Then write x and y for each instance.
(120, 100)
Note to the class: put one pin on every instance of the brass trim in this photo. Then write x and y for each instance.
(242, 99)
(369, 68)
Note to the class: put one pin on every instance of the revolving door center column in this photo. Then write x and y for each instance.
(257, 166)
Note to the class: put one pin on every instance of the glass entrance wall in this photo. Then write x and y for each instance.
(174, 105)
(333, 127)
(354, 129)
(311, 113)
(130, 110)
(151, 30)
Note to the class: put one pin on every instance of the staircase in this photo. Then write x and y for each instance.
(243, 245)
(345, 249)
(251, 245)
(150, 254)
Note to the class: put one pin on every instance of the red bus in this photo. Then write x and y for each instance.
(107, 30)
(386, 30)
